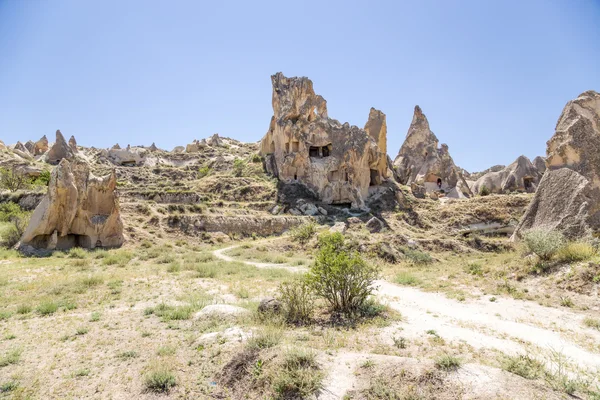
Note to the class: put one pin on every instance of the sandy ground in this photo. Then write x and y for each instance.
(508, 325)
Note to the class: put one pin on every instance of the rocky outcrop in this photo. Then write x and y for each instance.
(376, 128)
(20, 150)
(21, 147)
(178, 149)
(195, 146)
(60, 150)
(424, 165)
(214, 140)
(568, 196)
(520, 176)
(73, 144)
(130, 156)
(30, 146)
(153, 147)
(41, 146)
(540, 164)
(79, 210)
(238, 225)
(337, 162)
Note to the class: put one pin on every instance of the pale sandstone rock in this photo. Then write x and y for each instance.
(2, 145)
(79, 210)
(338, 227)
(337, 162)
(130, 156)
(41, 146)
(20, 150)
(60, 150)
(153, 147)
(178, 149)
(568, 196)
(521, 176)
(421, 161)
(376, 127)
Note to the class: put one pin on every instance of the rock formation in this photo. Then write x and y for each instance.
(41, 146)
(21, 147)
(338, 162)
(2, 145)
(127, 157)
(73, 144)
(30, 146)
(20, 150)
(376, 127)
(521, 176)
(60, 150)
(153, 147)
(79, 210)
(195, 146)
(424, 165)
(214, 140)
(178, 149)
(568, 196)
(540, 164)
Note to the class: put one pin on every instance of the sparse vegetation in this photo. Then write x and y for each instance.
(160, 379)
(341, 276)
(523, 365)
(298, 375)
(576, 251)
(303, 233)
(298, 300)
(543, 243)
(448, 362)
(592, 323)
(10, 357)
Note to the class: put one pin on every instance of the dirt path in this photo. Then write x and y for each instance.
(508, 325)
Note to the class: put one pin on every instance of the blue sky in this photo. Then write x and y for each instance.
(491, 76)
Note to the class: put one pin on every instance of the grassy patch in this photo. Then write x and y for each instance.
(448, 362)
(159, 379)
(11, 357)
(298, 375)
(404, 278)
(47, 308)
(576, 251)
(592, 323)
(265, 338)
(523, 365)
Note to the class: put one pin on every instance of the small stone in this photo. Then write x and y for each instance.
(270, 305)
(375, 225)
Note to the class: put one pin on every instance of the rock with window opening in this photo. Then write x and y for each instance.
(78, 210)
(424, 164)
(338, 162)
(520, 176)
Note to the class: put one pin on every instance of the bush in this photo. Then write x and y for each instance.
(543, 243)
(297, 299)
(417, 256)
(576, 251)
(160, 379)
(18, 219)
(43, 179)
(448, 362)
(298, 375)
(303, 233)
(238, 167)
(484, 191)
(78, 252)
(523, 365)
(341, 277)
(12, 179)
(203, 171)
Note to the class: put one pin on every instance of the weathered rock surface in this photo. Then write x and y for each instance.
(423, 163)
(30, 146)
(2, 145)
(73, 144)
(263, 226)
(336, 161)
(521, 175)
(568, 196)
(566, 201)
(376, 127)
(130, 156)
(60, 150)
(540, 164)
(20, 150)
(178, 149)
(41, 146)
(79, 210)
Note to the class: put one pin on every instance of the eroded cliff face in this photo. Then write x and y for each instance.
(422, 162)
(568, 196)
(338, 162)
(520, 176)
(79, 210)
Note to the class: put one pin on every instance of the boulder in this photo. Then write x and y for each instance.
(308, 209)
(78, 210)
(421, 161)
(270, 305)
(60, 150)
(520, 176)
(337, 162)
(375, 225)
(568, 196)
(565, 201)
(178, 149)
(338, 227)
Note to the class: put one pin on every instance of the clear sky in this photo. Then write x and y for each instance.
(491, 76)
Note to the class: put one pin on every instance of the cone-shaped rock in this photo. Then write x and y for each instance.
(59, 150)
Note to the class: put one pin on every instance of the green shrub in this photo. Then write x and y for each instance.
(47, 308)
(340, 276)
(238, 167)
(523, 365)
(159, 379)
(404, 278)
(8, 210)
(203, 171)
(11, 357)
(448, 362)
(543, 242)
(78, 252)
(43, 179)
(298, 375)
(8, 387)
(303, 233)
(256, 158)
(576, 251)
(484, 191)
(416, 256)
(297, 299)
(12, 179)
